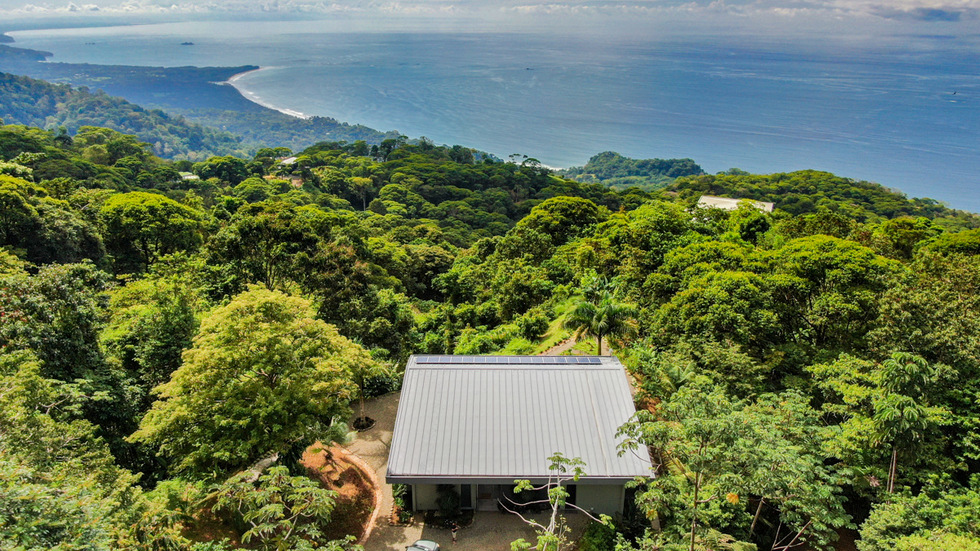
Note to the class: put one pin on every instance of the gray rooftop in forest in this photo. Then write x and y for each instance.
(496, 418)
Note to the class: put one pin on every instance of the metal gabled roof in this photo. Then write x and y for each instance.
(497, 418)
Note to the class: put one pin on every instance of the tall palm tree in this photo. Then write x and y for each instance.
(606, 318)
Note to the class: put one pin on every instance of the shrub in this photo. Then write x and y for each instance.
(402, 495)
(521, 347)
(448, 500)
(379, 385)
(598, 537)
(533, 324)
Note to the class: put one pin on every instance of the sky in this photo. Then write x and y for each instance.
(855, 23)
(966, 13)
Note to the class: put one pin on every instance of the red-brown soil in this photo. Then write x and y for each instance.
(334, 469)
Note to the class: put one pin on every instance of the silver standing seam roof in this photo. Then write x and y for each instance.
(491, 419)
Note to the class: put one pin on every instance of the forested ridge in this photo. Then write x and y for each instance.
(198, 94)
(619, 172)
(59, 106)
(800, 374)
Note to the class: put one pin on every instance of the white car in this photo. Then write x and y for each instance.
(423, 545)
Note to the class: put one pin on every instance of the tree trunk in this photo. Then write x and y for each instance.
(755, 519)
(361, 384)
(599, 339)
(892, 468)
(694, 514)
(792, 542)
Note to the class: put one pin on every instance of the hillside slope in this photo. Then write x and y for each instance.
(618, 172)
(812, 191)
(35, 102)
(196, 93)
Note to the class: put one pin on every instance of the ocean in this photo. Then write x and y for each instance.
(903, 112)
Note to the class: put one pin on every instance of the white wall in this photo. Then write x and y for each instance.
(425, 497)
(606, 500)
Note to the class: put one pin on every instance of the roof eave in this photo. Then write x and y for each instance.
(484, 479)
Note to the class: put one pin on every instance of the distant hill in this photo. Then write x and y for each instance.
(268, 127)
(619, 172)
(184, 87)
(811, 191)
(35, 102)
(197, 93)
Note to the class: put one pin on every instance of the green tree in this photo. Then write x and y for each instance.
(115, 145)
(44, 229)
(722, 306)
(791, 480)
(361, 187)
(831, 294)
(938, 517)
(639, 240)
(141, 227)
(562, 218)
(714, 457)
(253, 190)
(697, 449)
(57, 315)
(964, 242)
(900, 416)
(519, 286)
(59, 485)
(270, 243)
(933, 313)
(227, 169)
(151, 323)
(899, 237)
(282, 512)
(262, 377)
(875, 404)
(552, 535)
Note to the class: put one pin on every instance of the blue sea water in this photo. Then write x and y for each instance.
(904, 112)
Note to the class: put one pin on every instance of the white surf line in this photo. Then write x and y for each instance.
(255, 98)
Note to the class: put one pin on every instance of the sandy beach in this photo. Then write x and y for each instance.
(255, 98)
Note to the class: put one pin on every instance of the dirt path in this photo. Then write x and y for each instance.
(372, 447)
(560, 348)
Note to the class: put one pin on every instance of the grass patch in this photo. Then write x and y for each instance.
(556, 333)
(587, 347)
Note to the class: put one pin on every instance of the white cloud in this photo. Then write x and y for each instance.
(911, 10)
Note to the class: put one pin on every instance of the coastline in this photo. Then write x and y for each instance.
(256, 99)
(233, 78)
